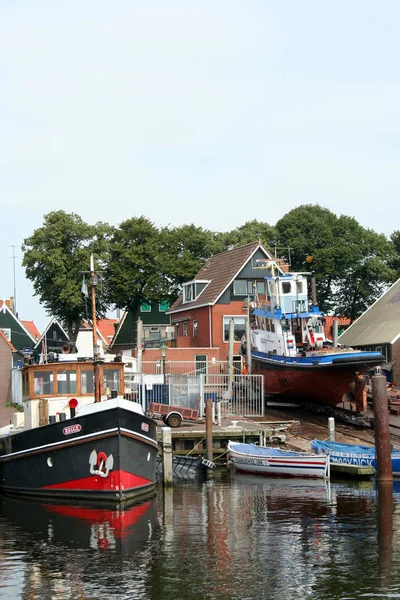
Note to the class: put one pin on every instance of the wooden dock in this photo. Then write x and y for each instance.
(190, 437)
(352, 471)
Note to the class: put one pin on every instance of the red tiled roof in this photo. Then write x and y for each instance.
(31, 327)
(106, 328)
(8, 342)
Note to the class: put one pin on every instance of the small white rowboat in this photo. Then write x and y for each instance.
(274, 461)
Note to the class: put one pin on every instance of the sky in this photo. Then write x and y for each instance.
(214, 113)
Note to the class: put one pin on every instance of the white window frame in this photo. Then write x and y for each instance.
(227, 318)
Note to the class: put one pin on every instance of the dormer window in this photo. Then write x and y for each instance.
(192, 290)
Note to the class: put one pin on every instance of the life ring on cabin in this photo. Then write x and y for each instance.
(66, 349)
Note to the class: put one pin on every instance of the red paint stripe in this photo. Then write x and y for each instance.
(116, 481)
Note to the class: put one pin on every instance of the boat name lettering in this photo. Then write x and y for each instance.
(250, 461)
(72, 429)
(144, 426)
(361, 462)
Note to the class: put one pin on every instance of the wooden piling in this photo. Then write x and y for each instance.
(168, 477)
(209, 435)
(331, 429)
(381, 428)
(385, 530)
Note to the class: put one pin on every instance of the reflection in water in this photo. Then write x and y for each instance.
(385, 530)
(231, 538)
(66, 547)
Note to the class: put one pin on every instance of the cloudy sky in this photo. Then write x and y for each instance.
(212, 112)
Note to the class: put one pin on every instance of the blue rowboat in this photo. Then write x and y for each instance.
(351, 454)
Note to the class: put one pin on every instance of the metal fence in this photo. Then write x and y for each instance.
(238, 395)
(188, 367)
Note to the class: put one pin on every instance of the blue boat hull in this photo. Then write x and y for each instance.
(350, 454)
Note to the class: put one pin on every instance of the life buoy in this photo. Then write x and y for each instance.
(101, 457)
(66, 349)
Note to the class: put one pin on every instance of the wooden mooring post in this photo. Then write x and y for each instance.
(381, 428)
(209, 433)
(168, 476)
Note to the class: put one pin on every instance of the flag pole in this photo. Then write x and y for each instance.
(96, 363)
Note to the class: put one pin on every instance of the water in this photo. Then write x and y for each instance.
(237, 537)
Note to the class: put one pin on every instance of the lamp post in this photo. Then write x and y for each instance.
(163, 350)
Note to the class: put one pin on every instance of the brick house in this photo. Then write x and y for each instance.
(378, 329)
(219, 292)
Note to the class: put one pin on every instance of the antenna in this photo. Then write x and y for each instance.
(15, 288)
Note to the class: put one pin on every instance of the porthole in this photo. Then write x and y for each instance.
(49, 462)
(148, 457)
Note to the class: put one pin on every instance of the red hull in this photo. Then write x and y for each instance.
(320, 386)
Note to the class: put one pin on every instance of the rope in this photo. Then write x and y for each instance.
(217, 457)
(194, 447)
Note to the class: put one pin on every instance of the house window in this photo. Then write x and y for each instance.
(163, 306)
(201, 364)
(185, 329)
(194, 328)
(261, 288)
(242, 287)
(239, 329)
(188, 292)
(7, 332)
(144, 307)
(286, 287)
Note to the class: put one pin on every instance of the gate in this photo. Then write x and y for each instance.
(238, 395)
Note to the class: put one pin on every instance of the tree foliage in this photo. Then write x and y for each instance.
(251, 231)
(140, 263)
(55, 256)
(352, 265)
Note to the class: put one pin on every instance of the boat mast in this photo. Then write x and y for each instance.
(96, 363)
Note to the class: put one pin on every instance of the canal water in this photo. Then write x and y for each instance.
(234, 537)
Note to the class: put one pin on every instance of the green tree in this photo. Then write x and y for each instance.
(251, 231)
(185, 249)
(55, 256)
(395, 239)
(135, 271)
(351, 264)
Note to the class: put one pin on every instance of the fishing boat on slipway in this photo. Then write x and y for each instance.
(290, 349)
(78, 437)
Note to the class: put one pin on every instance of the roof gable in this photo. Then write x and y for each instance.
(20, 336)
(379, 324)
(220, 270)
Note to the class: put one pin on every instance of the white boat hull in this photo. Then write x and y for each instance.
(253, 459)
